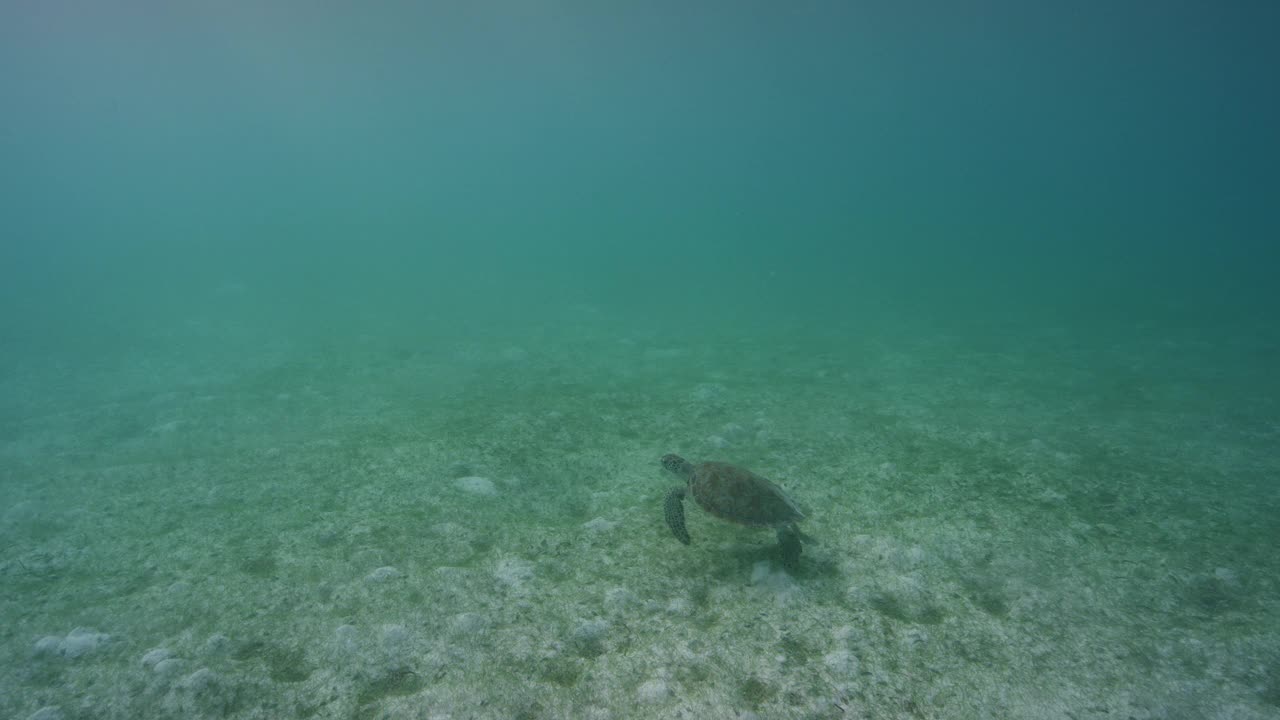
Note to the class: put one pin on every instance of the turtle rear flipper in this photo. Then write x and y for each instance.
(673, 509)
(789, 546)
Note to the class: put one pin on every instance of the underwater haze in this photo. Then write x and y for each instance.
(339, 345)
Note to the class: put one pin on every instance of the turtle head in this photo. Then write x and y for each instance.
(678, 465)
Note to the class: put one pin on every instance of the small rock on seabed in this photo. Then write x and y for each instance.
(382, 574)
(476, 485)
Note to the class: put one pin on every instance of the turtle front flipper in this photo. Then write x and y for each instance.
(673, 509)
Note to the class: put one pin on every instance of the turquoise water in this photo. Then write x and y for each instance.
(339, 346)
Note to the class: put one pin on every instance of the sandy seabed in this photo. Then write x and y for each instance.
(1021, 529)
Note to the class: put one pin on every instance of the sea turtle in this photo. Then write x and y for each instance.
(735, 494)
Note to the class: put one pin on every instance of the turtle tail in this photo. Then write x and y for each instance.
(673, 509)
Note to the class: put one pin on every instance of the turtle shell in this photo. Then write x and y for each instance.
(741, 496)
